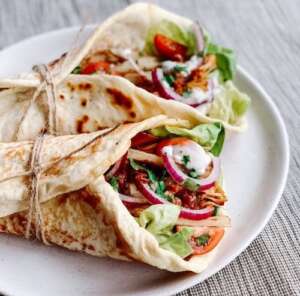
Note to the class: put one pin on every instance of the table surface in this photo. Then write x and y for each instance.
(266, 37)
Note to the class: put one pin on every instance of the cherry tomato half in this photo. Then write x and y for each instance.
(169, 48)
(94, 67)
(215, 235)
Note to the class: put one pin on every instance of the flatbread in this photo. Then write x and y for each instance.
(80, 210)
(126, 29)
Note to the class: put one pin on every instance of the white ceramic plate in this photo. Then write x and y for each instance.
(255, 165)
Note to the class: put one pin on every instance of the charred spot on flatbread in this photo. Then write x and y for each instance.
(84, 86)
(81, 122)
(132, 114)
(119, 99)
(71, 86)
(83, 102)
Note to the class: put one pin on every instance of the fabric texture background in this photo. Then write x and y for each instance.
(265, 35)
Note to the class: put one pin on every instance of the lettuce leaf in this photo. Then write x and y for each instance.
(172, 31)
(229, 104)
(160, 221)
(226, 61)
(209, 135)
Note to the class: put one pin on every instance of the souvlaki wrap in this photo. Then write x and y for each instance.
(148, 191)
(168, 55)
(81, 104)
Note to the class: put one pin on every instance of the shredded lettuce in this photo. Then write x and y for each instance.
(229, 104)
(172, 31)
(209, 135)
(160, 221)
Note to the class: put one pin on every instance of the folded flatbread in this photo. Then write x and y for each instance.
(200, 80)
(83, 104)
(53, 189)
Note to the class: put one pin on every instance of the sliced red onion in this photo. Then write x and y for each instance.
(132, 201)
(114, 169)
(198, 31)
(164, 91)
(150, 195)
(196, 214)
(179, 176)
(117, 166)
(186, 213)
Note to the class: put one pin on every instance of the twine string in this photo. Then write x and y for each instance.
(48, 84)
(35, 171)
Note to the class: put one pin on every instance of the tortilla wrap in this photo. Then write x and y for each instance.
(83, 104)
(126, 29)
(80, 210)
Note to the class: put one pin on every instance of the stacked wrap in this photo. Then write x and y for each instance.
(80, 210)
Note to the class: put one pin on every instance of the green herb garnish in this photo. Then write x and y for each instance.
(169, 79)
(192, 173)
(179, 68)
(157, 185)
(203, 239)
(76, 70)
(186, 159)
(114, 183)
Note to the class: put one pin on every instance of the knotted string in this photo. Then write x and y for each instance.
(35, 171)
(48, 84)
(50, 88)
(34, 201)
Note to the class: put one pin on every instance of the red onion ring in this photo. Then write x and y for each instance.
(199, 36)
(165, 92)
(186, 213)
(132, 201)
(114, 169)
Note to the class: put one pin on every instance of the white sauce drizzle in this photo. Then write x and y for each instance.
(198, 158)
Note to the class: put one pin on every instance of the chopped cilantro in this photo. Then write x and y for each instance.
(152, 177)
(114, 183)
(169, 79)
(203, 239)
(192, 173)
(76, 70)
(157, 185)
(187, 93)
(186, 159)
(179, 68)
(160, 190)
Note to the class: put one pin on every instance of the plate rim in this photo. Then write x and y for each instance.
(284, 140)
